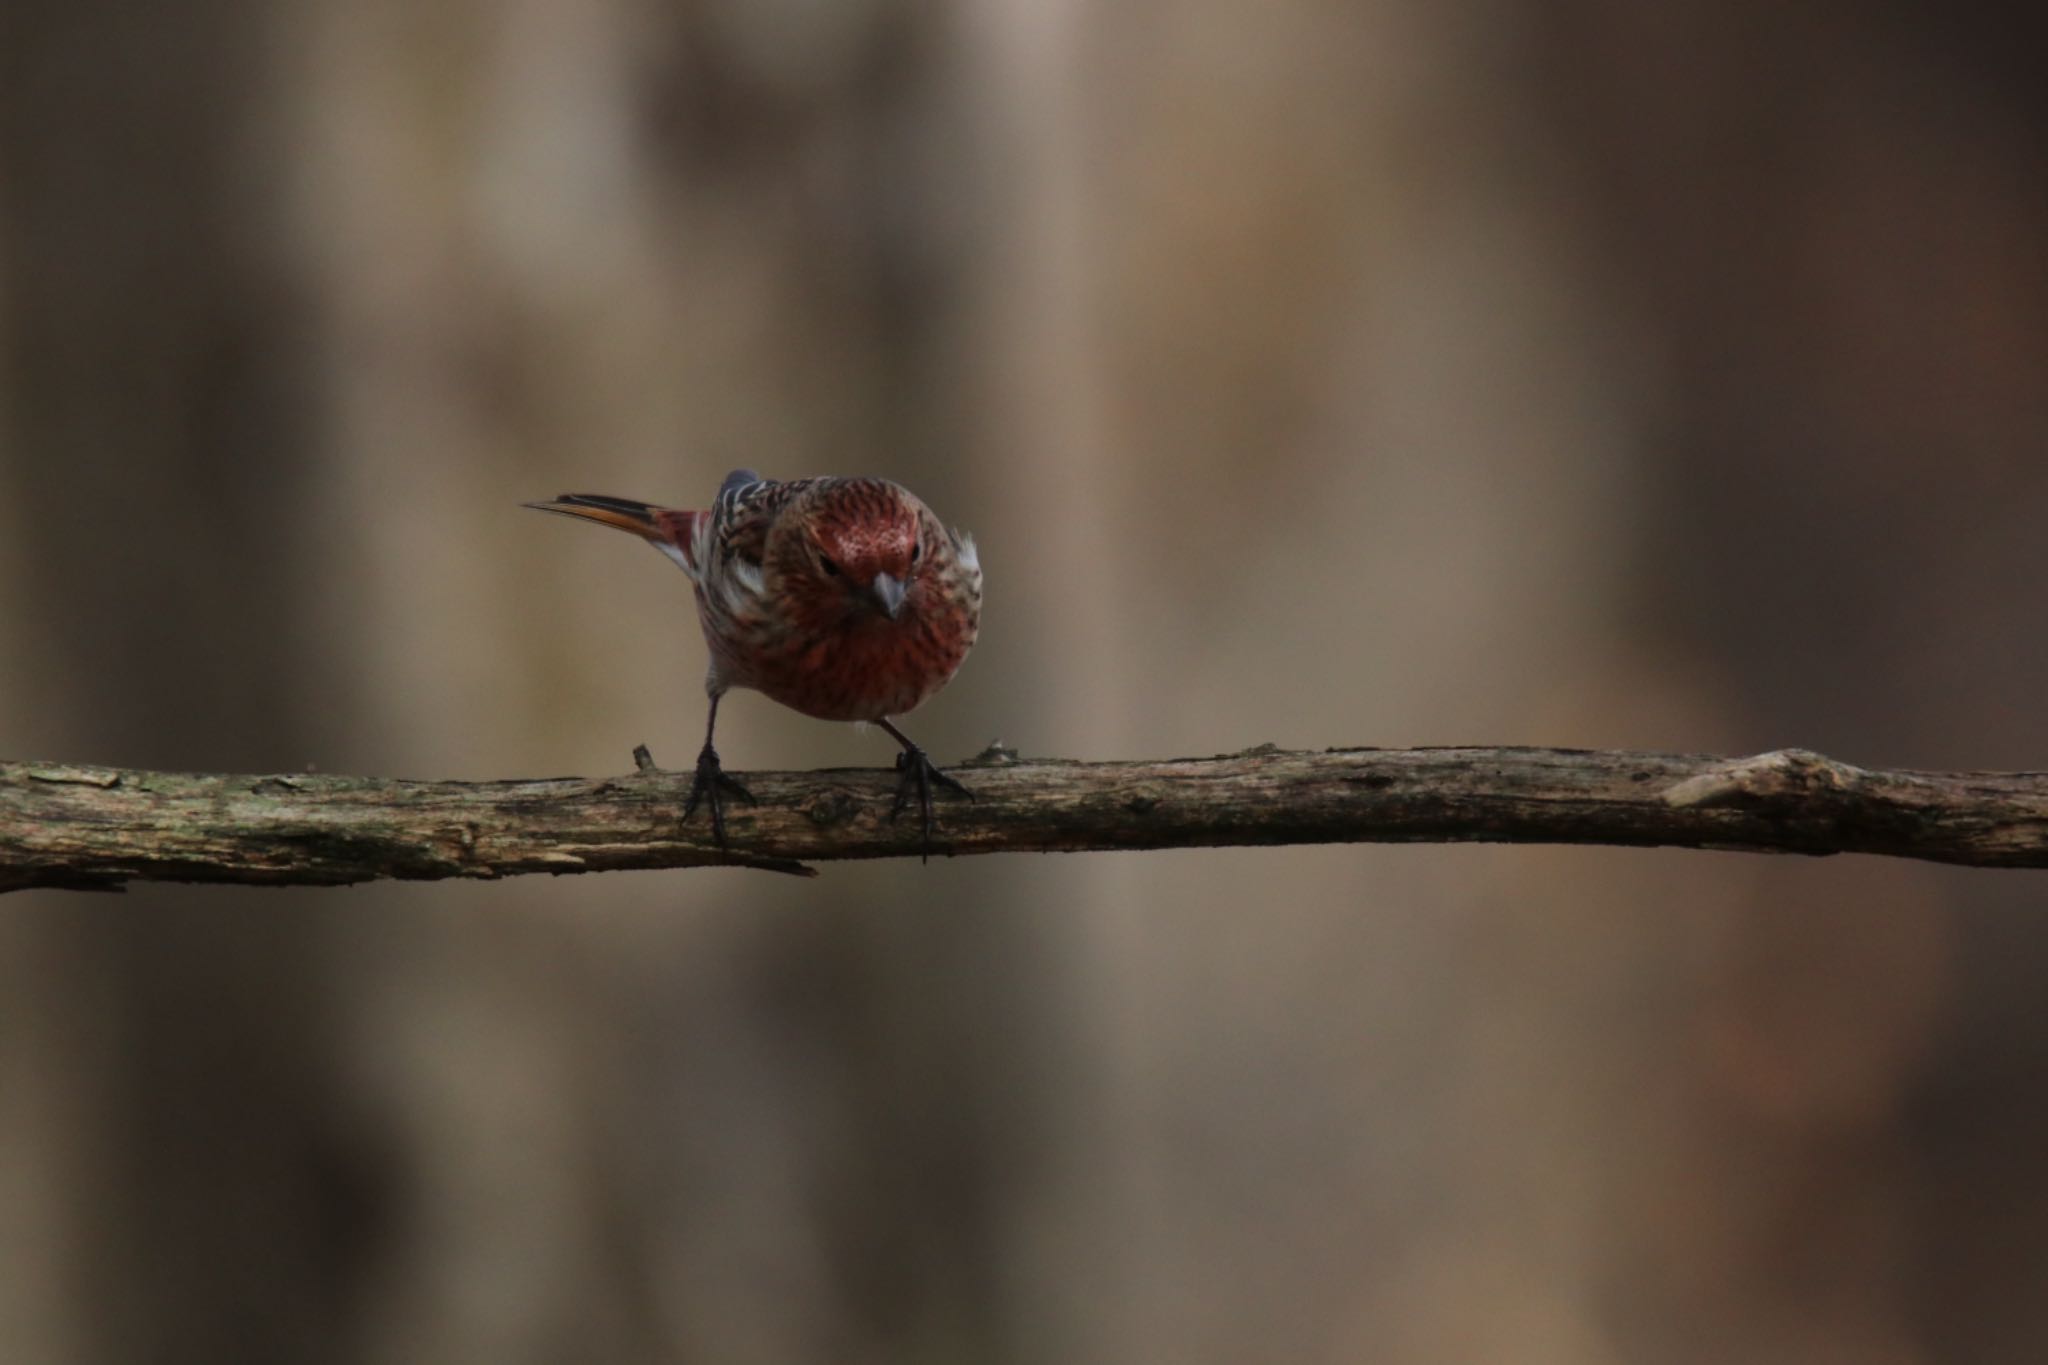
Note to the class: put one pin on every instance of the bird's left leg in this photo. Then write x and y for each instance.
(711, 779)
(918, 774)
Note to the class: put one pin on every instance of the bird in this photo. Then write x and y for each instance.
(842, 598)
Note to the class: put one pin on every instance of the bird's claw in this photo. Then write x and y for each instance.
(917, 775)
(711, 779)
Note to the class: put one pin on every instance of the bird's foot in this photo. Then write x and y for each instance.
(710, 781)
(917, 775)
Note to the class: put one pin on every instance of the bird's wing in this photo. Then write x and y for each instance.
(739, 478)
(747, 506)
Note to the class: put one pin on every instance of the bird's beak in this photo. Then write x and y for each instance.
(890, 592)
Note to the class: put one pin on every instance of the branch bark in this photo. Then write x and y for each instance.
(64, 825)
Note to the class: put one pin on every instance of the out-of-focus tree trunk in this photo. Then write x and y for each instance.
(202, 1193)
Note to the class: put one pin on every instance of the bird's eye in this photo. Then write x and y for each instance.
(917, 552)
(831, 570)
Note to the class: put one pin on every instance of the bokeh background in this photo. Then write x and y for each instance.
(1386, 372)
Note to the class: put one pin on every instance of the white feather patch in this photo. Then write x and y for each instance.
(674, 552)
(740, 586)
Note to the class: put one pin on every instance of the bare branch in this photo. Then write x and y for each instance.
(97, 828)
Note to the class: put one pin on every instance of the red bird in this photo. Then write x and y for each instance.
(845, 599)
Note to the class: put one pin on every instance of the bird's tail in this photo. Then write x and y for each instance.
(670, 531)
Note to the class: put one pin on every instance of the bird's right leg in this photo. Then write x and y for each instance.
(711, 779)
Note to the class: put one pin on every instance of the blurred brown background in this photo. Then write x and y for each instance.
(1576, 372)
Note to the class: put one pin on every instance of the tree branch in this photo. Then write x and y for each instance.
(97, 828)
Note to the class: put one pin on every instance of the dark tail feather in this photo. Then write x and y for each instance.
(572, 503)
(626, 514)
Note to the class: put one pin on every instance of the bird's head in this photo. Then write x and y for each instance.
(860, 548)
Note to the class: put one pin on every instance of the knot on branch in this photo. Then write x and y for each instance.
(1778, 775)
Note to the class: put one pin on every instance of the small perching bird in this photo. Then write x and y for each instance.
(845, 599)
